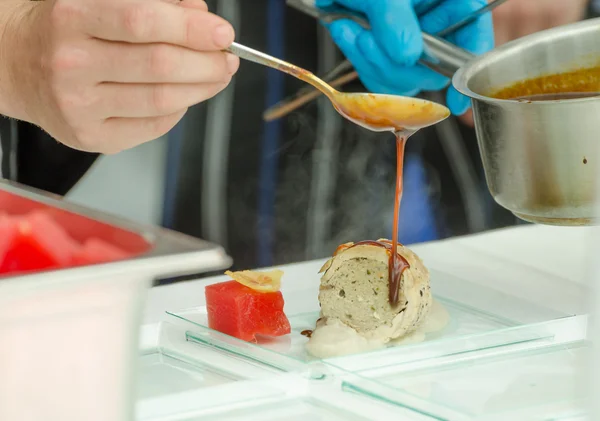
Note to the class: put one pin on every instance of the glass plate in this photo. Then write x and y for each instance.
(318, 394)
(162, 374)
(480, 318)
(170, 367)
(535, 385)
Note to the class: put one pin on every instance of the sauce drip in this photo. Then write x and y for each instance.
(397, 266)
(308, 333)
(397, 263)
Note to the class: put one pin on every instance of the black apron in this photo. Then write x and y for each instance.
(32, 157)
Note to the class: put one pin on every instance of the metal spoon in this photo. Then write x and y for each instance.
(378, 113)
(441, 56)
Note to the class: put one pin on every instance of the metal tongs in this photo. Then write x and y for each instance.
(440, 55)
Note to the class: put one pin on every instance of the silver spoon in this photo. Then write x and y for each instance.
(378, 113)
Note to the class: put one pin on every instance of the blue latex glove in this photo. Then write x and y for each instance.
(386, 56)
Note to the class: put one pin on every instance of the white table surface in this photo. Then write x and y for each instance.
(504, 255)
(527, 256)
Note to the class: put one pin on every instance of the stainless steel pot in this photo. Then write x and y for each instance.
(540, 158)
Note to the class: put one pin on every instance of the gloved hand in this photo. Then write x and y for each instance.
(386, 56)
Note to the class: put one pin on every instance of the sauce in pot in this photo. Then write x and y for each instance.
(581, 83)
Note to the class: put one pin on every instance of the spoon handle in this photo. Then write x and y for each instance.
(259, 57)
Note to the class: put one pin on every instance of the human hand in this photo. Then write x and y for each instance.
(518, 18)
(386, 56)
(107, 75)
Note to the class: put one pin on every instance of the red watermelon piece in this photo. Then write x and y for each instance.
(37, 243)
(96, 251)
(8, 231)
(239, 311)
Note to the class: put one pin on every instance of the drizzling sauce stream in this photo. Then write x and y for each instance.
(397, 263)
(396, 268)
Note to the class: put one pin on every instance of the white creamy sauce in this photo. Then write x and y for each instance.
(436, 321)
(335, 339)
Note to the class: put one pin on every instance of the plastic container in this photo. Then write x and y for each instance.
(69, 337)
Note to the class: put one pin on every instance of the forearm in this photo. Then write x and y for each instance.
(14, 59)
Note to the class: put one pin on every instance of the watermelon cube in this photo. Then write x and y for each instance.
(37, 242)
(8, 232)
(96, 251)
(239, 311)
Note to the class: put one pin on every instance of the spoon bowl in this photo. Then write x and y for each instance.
(384, 113)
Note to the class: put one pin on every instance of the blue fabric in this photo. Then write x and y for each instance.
(386, 56)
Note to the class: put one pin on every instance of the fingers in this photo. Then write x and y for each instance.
(477, 37)
(371, 62)
(403, 78)
(396, 29)
(192, 4)
(357, 5)
(136, 131)
(324, 3)
(457, 102)
(346, 33)
(394, 26)
(159, 63)
(143, 21)
(153, 100)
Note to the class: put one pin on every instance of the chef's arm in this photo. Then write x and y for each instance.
(29, 155)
